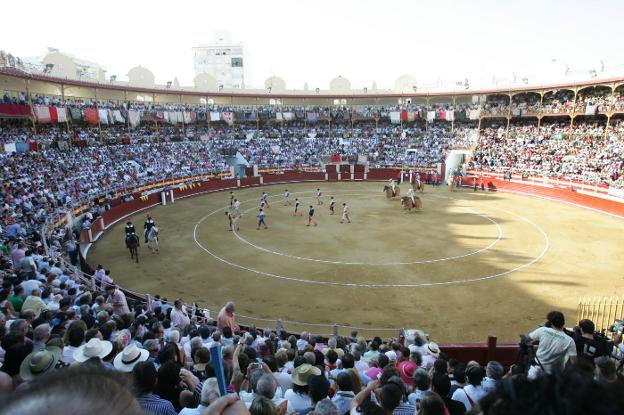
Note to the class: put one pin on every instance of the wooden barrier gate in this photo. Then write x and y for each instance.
(603, 311)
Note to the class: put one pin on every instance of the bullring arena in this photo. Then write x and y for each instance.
(196, 241)
(465, 252)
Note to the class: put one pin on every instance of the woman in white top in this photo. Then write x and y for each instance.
(470, 394)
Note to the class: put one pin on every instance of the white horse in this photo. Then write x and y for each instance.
(152, 239)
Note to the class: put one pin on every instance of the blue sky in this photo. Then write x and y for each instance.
(313, 42)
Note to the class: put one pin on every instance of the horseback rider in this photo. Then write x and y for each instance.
(129, 229)
(418, 185)
(410, 194)
(392, 185)
(149, 224)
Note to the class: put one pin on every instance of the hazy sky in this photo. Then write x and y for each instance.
(316, 41)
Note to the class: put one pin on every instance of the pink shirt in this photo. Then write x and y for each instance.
(118, 300)
(226, 319)
(16, 257)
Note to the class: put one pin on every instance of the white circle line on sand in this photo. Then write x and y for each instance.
(428, 261)
(360, 285)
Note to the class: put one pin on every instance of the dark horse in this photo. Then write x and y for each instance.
(132, 243)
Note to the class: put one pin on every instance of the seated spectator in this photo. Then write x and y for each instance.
(145, 381)
(297, 397)
(494, 372)
(422, 384)
(470, 394)
(441, 384)
(344, 395)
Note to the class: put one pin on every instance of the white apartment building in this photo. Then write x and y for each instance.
(223, 60)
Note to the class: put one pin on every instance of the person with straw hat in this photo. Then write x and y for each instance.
(94, 348)
(39, 363)
(129, 357)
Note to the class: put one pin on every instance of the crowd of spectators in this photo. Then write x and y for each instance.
(582, 152)
(61, 340)
(63, 335)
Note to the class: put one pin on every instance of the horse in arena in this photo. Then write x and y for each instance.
(389, 193)
(132, 243)
(408, 205)
(152, 239)
(418, 187)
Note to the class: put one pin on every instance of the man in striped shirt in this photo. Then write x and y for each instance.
(144, 376)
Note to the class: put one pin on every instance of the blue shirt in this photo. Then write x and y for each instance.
(261, 215)
(153, 404)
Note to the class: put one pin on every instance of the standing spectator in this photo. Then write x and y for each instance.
(34, 302)
(555, 347)
(72, 248)
(117, 299)
(179, 316)
(227, 317)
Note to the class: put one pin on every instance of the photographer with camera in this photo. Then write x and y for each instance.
(589, 345)
(555, 347)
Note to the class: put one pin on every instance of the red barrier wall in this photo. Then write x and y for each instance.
(567, 195)
(383, 174)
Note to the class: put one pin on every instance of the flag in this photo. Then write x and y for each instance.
(215, 116)
(103, 114)
(591, 109)
(134, 117)
(118, 117)
(395, 117)
(76, 113)
(279, 116)
(228, 117)
(61, 114)
(53, 115)
(91, 115)
(288, 116)
(186, 116)
(312, 117)
(42, 113)
(431, 115)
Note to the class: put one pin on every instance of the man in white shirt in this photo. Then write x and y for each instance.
(555, 347)
(179, 317)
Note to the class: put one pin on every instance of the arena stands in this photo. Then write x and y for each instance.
(57, 323)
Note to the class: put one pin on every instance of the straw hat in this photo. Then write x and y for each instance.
(302, 373)
(129, 357)
(94, 348)
(38, 363)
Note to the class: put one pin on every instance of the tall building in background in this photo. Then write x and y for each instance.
(222, 59)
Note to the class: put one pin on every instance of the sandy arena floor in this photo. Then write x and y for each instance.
(466, 266)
